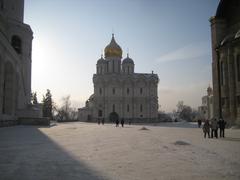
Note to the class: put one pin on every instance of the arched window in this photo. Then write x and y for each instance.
(127, 90)
(113, 90)
(141, 90)
(100, 91)
(17, 44)
(113, 67)
(141, 108)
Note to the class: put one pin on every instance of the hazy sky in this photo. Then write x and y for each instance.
(170, 37)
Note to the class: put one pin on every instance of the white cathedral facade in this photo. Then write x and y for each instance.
(119, 92)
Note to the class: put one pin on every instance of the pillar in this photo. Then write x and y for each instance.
(232, 86)
(1, 84)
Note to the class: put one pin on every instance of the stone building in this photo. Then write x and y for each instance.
(119, 92)
(206, 109)
(225, 32)
(15, 62)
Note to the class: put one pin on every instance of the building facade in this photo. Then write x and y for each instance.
(119, 92)
(225, 32)
(15, 61)
(206, 109)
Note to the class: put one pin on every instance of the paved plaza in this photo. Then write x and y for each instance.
(90, 151)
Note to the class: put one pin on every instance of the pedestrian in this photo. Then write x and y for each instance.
(199, 123)
(206, 129)
(98, 121)
(102, 121)
(222, 125)
(122, 122)
(117, 122)
(214, 126)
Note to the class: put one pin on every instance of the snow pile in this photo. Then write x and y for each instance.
(144, 128)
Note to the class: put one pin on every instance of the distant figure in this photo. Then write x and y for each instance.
(206, 129)
(122, 122)
(222, 125)
(130, 122)
(102, 121)
(117, 122)
(199, 123)
(98, 121)
(214, 126)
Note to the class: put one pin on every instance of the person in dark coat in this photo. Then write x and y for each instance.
(122, 122)
(214, 127)
(102, 121)
(199, 123)
(206, 129)
(222, 125)
(117, 122)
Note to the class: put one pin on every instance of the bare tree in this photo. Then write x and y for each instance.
(185, 112)
(66, 112)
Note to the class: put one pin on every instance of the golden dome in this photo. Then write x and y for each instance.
(113, 49)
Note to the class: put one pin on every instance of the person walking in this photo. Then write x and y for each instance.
(117, 122)
(199, 123)
(214, 126)
(222, 125)
(206, 129)
(122, 122)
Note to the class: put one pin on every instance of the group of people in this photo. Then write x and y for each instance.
(122, 122)
(101, 120)
(213, 126)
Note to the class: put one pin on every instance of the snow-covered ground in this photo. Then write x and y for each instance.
(166, 151)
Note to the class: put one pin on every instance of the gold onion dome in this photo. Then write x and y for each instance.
(113, 49)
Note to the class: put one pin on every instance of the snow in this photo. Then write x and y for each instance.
(165, 151)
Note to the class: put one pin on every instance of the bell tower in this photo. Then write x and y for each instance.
(20, 37)
(12, 9)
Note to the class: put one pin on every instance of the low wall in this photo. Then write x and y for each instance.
(5, 123)
(34, 121)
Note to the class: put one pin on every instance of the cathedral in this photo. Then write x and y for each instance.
(119, 92)
(15, 63)
(225, 31)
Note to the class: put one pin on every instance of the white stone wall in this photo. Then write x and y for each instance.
(15, 68)
(137, 92)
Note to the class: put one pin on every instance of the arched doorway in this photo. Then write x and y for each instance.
(113, 117)
(8, 89)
